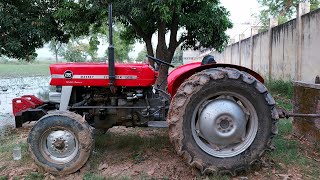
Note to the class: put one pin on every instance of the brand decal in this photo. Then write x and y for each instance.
(68, 74)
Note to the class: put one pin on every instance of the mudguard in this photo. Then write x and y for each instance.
(180, 74)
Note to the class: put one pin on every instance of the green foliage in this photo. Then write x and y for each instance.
(93, 47)
(204, 22)
(76, 51)
(27, 25)
(56, 47)
(282, 10)
(141, 55)
(122, 46)
(4, 178)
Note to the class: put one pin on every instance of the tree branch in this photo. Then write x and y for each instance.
(136, 27)
(183, 38)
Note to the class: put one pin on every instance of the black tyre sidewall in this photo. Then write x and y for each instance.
(52, 122)
(252, 153)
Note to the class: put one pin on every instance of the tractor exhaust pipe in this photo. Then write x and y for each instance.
(112, 76)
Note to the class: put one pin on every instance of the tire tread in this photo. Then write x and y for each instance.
(195, 82)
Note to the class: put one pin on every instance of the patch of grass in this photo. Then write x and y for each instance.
(284, 88)
(20, 70)
(285, 127)
(138, 157)
(7, 145)
(282, 92)
(4, 178)
(284, 103)
(291, 153)
(286, 152)
(93, 176)
(16, 178)
(34, 176)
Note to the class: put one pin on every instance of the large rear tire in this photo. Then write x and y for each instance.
(61, 142)
(222, 120)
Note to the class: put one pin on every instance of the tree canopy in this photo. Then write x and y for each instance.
(192, 24)
(189, 23)
(282, 10)
(27, 25)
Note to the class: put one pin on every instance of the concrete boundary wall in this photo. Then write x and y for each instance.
(290, 51)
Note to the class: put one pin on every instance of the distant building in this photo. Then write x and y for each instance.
(190, 55)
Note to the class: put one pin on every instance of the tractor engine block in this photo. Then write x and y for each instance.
(127, 106)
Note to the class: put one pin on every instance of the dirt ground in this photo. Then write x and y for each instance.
(131, 153)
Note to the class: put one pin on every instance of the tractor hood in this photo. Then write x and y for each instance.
(97, 74)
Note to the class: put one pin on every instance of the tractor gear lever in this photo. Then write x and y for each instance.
(160, 61)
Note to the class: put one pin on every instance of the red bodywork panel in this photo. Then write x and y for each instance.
(96, 74)
(24, 103)
(180, 74)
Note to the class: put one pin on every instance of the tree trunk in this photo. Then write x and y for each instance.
(149, 50)
(56, 57)
(163, 54)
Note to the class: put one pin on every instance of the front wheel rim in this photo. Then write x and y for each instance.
(59, 146)
(229, 130)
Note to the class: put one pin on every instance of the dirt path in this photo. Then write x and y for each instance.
(135, 153)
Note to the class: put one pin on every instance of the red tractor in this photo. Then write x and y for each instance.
(221, 117)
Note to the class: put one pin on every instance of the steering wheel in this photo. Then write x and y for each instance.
(160, 61)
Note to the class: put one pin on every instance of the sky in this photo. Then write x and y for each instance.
(241, 12)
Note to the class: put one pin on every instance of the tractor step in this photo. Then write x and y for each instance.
(158, 124)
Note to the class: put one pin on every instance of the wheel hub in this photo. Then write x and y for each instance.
(222, 122)
(61, 145)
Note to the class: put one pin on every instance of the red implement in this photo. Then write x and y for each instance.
(24, 103)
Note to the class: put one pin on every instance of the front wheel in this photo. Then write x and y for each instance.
(222, 120)
(61, 142)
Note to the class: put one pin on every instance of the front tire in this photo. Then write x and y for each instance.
(61, 142)
(222, 120)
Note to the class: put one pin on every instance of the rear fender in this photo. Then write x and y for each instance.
(180, 74)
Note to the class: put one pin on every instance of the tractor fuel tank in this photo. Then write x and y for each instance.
(96, 74)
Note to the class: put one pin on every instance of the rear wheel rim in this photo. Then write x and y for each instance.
(59, 146)
(224, 124)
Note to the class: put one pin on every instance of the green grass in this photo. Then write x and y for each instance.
(285, 88)
(93, 176)
(289, 151)
(4, 178)
(34, 176)
(282, 92)
(20, 70)
(9, 142)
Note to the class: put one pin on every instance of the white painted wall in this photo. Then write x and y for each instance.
(283, 48)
